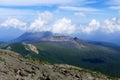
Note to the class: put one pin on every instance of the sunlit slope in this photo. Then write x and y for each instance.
(86, 55)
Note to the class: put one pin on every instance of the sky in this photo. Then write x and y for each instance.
(87, 19)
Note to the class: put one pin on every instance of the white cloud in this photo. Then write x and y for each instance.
(113, 2)
(73, 8)
(108, 26)
(41, 23)
(63, 26)
(37, 25)
(115, 7)
(14, 23)
(33, 2)
(111, 25)
(79, 14)
(16, 13)
(46, 15)
(93, 26)
(43, 2)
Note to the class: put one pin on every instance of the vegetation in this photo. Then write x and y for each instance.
(2, 44)
(96, 58)
(108, 59)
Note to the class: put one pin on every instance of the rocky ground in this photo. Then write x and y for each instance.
(14, 67)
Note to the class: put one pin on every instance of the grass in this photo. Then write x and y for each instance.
(73, 56)
(55, 53)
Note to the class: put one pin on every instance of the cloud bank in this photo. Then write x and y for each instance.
(14, 23)
(91, 27)
(63, 25)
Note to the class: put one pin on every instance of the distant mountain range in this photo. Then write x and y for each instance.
(97, 56)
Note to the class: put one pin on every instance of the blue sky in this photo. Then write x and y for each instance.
(81, 17)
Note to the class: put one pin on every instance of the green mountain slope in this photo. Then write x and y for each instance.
(14, 67)
(2, 44)
(93, 57)
(105, 60)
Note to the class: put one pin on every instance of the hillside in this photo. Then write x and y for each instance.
(32, 36)
(74, 52)
(96, 56)
(15, 67)
(2, 44)
(93, 57)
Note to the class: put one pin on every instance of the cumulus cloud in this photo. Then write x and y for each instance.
(37, 25)
(63, 25)
(111, 25)
(14, 23)
(108, 26)
(45, 15)
(91, 27)
(41, 23)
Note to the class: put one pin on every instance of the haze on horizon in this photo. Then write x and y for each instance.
(97, 20)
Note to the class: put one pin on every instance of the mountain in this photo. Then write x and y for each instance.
(14, 67)
(106, 44)
(32, 36)
(23, 48)
(105, 59)
(73, 51)
(97, 56)
(3, 44)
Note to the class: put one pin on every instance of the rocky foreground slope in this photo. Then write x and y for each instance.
(14, 67)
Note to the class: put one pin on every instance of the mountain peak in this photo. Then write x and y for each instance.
(33, 36)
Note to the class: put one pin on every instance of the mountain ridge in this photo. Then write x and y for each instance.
(74, 51)
(28, 69)
(32, 36)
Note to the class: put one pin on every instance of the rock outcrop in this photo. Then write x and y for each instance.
(31, 48)
(14, 67)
